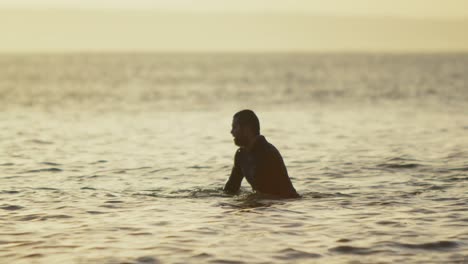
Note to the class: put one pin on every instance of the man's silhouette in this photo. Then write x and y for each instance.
(257, 160)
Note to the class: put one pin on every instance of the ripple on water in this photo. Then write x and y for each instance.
(292, 254)
(202, 256)
(40, 142)
(17, 234)
(88, 188)
(437, 188)
(354, 250)
(438, 246)
(226, 261)
(99, 161)
(324, 195)
(114, 201)
(11, 207)
(59, 216)
(343, 240)
(460, 169)
(390, 223)
(41, 217)
(399, 166)
(51, 163)
(96, 212)
(34, 255)
(28, 217)
(9, 192)
(44, 170)
(141, 234)
(147, 260)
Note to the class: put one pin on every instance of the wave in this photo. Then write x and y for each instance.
(185, 193)
(354, 250)
(399, 166)
(44, 170)
(11, 207)
(199, 192)
(294, 254)
(434, 246)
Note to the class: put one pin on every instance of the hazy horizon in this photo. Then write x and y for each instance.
(180, 26)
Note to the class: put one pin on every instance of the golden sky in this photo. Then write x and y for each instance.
(415, 8)
(234, 25)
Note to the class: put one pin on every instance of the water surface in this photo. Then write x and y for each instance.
(122, 158)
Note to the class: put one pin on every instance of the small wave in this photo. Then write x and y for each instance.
(99, 161)
(319, 195)
(141, 234)
(34, 255)
(41, 217)
(304, 161)
(40, 142)
(147, 260)
(460, 169)
(292, 254)
(46, 189)
(10, 192)
(440, 245)
(51, 163)
(114, 201)
(399, 166)
(44, 170)
(202, 256)
(16, 234)
(28, 217)
(120, 170)
(401, 162)
(11, 207)
(95, 212)
(401, 159)
(198, 167)
(59, 216)
(353, 250)
(163, 169)
(186, 193)
(246, 205)
(455, 178)
(437, 188)
(56, 246)
(88, 188)
(343, 240)
(389, 223)
(226, 261)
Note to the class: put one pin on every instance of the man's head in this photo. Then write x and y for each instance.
(245, 127)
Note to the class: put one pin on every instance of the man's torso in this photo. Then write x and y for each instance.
(264, 169)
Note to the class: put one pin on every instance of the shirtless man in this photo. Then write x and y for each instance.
(257, 160)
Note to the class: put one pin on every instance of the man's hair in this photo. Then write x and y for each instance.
(248, 118)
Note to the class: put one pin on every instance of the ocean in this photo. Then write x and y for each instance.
(121, 158)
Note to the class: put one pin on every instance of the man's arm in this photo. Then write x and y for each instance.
(234, 182)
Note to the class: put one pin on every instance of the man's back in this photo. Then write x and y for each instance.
(263, 167)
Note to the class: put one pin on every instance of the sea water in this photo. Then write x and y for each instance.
(121, 158)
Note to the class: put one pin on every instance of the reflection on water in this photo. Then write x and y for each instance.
(127, 182)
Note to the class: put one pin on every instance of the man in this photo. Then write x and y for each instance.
(257, 160)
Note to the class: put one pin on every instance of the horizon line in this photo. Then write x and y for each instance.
(234, 52)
